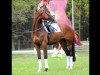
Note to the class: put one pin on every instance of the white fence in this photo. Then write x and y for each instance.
(83, 48)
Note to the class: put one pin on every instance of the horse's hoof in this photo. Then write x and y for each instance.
(39, 70)
(69, 67)
(46, 69)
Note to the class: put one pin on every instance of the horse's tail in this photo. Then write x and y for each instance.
(73, 50)
(77, 41)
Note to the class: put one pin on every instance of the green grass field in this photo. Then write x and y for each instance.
(27, 65)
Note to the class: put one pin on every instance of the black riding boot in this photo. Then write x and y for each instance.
(47, 24)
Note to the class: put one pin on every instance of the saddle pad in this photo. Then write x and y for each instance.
(56, 27)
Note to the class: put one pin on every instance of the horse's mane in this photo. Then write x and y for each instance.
(36, 19)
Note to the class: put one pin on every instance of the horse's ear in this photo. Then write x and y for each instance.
(44, 6)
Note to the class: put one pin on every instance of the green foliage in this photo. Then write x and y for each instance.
(22, 16)
(81, 16)
(22, 13)
(20, 8)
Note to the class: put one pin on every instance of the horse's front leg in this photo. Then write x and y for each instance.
(44, 46)
(39, 58)
(45, 60)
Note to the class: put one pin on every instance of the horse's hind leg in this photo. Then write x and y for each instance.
(69, 60)
(67, 52)
(39, 58)
(71, 57)
(64, 46)
(73, 51)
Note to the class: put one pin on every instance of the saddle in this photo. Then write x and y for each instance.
(51, 26)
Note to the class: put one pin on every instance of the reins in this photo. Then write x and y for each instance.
(38, 29)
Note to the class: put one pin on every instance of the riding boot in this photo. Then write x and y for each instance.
(47, 24)
(48, 28)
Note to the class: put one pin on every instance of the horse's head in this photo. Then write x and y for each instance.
(44, 13)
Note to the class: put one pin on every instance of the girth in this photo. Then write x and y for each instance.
(48, 37)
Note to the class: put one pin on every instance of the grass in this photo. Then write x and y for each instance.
(27, 65)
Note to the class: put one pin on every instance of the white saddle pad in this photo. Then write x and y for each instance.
(57, 28)
(54, 25)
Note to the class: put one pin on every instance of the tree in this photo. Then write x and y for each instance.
(22, 18)
(81, 17)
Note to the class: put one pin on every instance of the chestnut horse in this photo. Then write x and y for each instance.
(42, 38)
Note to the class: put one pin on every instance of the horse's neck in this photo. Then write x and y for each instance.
(37, 22)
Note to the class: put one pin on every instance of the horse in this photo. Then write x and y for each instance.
(42, 38)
